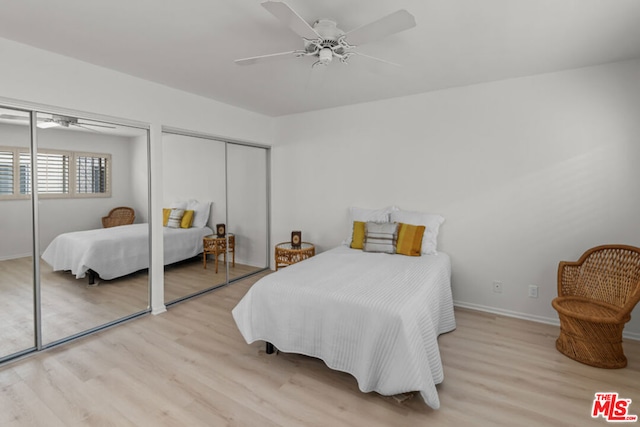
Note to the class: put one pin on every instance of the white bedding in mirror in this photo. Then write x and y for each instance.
(118, 251)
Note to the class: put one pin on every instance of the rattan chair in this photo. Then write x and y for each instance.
(119, 216)
(595, 297)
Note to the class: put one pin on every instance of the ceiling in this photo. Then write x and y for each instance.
(191, 44)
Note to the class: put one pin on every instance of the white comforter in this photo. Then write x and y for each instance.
(375, 316)
(118, 251)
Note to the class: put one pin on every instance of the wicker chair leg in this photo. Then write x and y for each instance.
(601, 348)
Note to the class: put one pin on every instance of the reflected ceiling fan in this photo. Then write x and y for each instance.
(325, 41)
(57, 120)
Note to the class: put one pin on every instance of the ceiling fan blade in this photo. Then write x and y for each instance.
(84, 127)
(265, 58)
(384, 61)
(291, 19)
(99, 126)
(383, 27)
(12, 117)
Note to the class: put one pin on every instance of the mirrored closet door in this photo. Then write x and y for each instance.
(93, 272)
(247, 196)
(224, 185)
(17, 310)
(194, 203)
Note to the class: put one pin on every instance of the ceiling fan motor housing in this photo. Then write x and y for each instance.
(328, 44)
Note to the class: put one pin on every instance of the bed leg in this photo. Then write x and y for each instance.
(92, 277)
(270, 348)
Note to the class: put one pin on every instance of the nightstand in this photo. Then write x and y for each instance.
(212, 244)
(287, 254)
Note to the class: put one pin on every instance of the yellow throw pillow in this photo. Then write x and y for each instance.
(357, 241)
(409, 239)
(165, 216)
(187, 219)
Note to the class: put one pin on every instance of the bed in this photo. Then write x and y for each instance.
(117, 251)
(374, 315)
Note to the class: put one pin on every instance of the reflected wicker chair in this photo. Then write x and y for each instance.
(119, 216)
(595, 297)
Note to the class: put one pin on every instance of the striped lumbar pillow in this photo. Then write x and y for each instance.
(358, 235)
(380, 237)
(409, 239)
(175, 217)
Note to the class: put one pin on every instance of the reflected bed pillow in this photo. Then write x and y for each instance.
(185, 222)
(187, 219)
(175, 218)
(200, 212)
(431, 222)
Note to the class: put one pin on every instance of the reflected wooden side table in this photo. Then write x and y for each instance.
(287, 254)
(212, 244)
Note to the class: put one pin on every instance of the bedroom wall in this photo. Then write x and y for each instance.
(527, 172)
(37, 76)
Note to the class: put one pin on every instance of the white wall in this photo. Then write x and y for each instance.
(527, 172)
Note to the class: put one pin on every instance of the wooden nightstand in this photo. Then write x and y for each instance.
(287, 254)
(212, 244)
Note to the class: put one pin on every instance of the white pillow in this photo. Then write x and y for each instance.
(431, 222)
(200, 212)
(178, 205)
(367, 215)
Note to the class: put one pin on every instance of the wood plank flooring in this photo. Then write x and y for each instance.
(191, 367)
(70, 306)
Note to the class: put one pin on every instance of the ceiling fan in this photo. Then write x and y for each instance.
(57, 120)
(325, 41)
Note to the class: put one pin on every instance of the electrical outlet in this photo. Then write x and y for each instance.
(497, 286)
(533, 291)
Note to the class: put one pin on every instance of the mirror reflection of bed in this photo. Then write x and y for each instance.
(84, 169)
(109, 166)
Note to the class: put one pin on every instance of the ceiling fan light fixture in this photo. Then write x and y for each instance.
(325, 55)
(48, 124)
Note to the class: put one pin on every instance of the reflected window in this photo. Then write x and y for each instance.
(6, 172)
(92, 173)
(53, 173)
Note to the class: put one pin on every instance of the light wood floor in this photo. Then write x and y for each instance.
(70, 306)
(190, 367)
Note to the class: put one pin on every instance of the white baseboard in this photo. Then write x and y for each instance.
(526, 316)
(10, 257)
